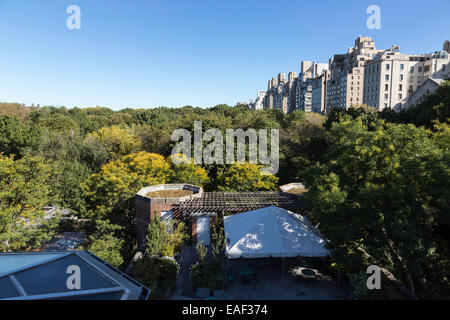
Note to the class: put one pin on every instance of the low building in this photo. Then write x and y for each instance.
(148, 203)
(428, 87)
(200, 210)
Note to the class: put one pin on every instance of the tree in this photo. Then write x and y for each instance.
(302, 142)
(157, 237)
(14, 135)
(436, 106)
(104, 240)
(157, 273)
(110, 192)
(23, 194)
(154, 138)
(117, 141)
(93, 153)
(246, 177)
(187, 173)
(378, 198)
(66, 185)
(160, 242)
(108, 249)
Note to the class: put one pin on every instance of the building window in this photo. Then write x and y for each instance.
(387, 67)
(419, 79)
(386, 87)
(386, 97)
(401, 77)
(385, 105)
(402, 66)
(386, 77)
(400, 96)
(411, 79)
(420, 69)
(400, 88)
(412, 69)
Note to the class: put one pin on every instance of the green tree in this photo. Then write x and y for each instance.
(23, 194)
(162, 242)
(108, 248)
(15, 136)
(157, 273)
(378, 198)
(157, 237)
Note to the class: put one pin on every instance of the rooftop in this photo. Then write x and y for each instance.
(47, 275)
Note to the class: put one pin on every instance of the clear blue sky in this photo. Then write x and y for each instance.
(188, 52)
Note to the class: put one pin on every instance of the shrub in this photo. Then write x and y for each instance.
(157, 273)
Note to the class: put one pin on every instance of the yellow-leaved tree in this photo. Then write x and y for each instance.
(246, 177)
(117, 141)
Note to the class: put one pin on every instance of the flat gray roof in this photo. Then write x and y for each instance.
(44, 275)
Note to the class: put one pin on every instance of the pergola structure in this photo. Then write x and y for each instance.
(236, 202)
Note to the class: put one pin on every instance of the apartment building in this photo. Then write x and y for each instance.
(363, 75)
(392, 77)
(280, 92)
(309, 71)
(446, 46)
(291, 88)
(346, 83)
(258, 104)
(319, 92)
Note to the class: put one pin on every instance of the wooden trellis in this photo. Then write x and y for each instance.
(235, 202)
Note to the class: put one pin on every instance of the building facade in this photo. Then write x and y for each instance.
(319, 92)
(392, 77)
(304, 91)
(346, 84)
(258, 104)
(364, 75)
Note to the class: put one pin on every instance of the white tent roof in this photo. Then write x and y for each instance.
(274, 232)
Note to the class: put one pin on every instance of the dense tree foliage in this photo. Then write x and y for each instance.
(384, 190)
(246, 177)
(157, 273)
(377, 181)
(23, 194)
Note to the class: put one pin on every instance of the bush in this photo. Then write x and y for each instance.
(159, 274)
(108, 249)
(208, 274)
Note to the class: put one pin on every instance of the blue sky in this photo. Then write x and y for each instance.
(188, 52)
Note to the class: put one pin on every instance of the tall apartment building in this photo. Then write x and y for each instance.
(392, 76)
(446, 46)
(258, 104)
(279, 92)
(319, 92)
(378, 78)
(346, 84)
(291, 87)
(309, 71)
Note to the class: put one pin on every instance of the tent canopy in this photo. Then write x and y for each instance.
(272, 232)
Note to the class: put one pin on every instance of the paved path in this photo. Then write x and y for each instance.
(185, 286)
